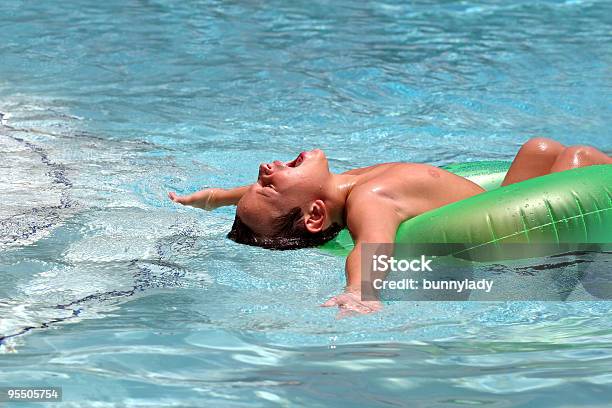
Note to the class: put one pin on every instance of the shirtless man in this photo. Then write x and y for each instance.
(300, 203)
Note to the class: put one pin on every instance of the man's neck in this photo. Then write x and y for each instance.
(337, 192)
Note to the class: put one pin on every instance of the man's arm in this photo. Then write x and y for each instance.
(372, 220)
(211, 198)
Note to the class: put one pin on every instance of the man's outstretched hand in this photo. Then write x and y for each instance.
(205, 199)
(211, 198)
(350, 303)
(178, 199)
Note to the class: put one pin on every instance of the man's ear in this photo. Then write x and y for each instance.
(316, 216)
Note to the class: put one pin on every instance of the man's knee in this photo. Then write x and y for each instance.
(541, 146)
(580, 153)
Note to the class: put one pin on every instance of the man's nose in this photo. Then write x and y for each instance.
(265, 169)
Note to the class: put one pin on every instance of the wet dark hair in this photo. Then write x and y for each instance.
(290, 233)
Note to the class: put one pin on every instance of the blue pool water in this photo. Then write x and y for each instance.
(124, 299)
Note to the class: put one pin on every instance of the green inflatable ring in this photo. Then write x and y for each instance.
(570, 207)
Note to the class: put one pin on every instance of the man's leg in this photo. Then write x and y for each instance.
(535, 158)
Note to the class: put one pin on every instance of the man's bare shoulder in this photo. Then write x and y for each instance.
(369, 213)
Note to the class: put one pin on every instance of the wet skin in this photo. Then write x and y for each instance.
(370, 201)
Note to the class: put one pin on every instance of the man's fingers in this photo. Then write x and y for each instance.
(370, 307)
(331, 302)
(177, 199)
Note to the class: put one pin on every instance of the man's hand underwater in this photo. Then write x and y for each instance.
(350, 303)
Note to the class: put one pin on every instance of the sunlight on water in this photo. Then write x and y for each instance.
(115, 293)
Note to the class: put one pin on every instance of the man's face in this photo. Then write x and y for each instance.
(281, 187)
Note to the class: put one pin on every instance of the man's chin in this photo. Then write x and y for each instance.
(315, 153)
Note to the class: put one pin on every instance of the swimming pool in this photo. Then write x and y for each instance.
(124, 299)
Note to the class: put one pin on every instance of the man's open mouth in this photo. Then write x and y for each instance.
(297, 161)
